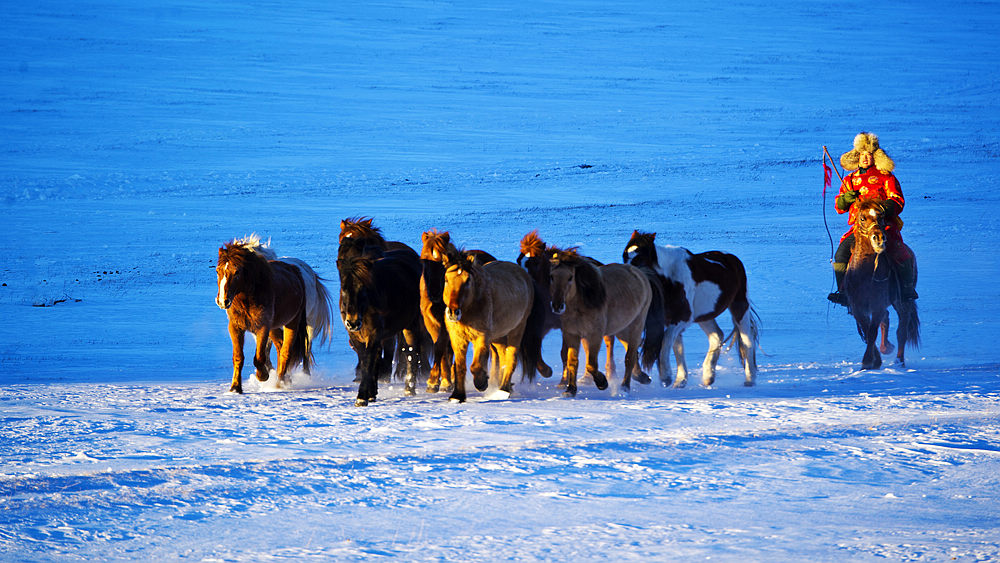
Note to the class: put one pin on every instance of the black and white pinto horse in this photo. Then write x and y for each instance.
(697, 288)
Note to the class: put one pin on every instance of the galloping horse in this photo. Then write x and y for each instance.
(871, 286)
(318, 313)
(436, 247)
(594, 302)
(379, 298)
(358, 237)
(267, 298)
(697, 288)
(488, 306)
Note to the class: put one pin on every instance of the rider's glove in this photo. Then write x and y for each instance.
(846, 199)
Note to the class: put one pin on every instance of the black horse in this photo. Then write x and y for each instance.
(380, 298)
(871, 285)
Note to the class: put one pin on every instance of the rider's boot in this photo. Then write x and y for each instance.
(907, 273)
(839, 271)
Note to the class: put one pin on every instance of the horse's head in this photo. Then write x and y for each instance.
(534, 258)
(359, 227)
(869, 224)
(435, 245)
(573, 277)
(640, 250)
(356, 296)
(238, 270)
(459, 280)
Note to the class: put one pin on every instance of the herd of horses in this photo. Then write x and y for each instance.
(410, 314)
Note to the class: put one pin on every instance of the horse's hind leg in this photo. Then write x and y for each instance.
(715, 336)
(410, 336)
(261, 359)
(609, 361)
(884, 346)
(746, 332)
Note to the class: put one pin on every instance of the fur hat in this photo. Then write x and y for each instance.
(867, 142)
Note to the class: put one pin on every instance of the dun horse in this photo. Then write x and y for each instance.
(487, 306)
(267, 298)
(379, 298)
(594, 302)
(436, 247)
(697, 288)
(871, 286)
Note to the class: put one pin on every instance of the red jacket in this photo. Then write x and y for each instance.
(877, 185)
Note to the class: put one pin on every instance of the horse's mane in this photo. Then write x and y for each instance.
(532, 244)
(871, 203)
(361, 228)
(253, 243)
(357, 271)
(437, 245)
(589, 282)
(642, 239)
(460, 258)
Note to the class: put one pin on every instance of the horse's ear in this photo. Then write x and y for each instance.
(426, 235)
(446, 237)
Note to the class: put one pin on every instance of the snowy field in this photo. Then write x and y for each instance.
(136, 138)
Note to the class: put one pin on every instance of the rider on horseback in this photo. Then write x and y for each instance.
(872, 179)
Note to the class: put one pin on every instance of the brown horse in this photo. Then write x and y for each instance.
(697, 288)
(437, 246)
(267, 298)
(594, 302)
(488, 306)
(871, 286)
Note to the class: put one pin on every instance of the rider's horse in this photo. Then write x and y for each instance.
(871, 285)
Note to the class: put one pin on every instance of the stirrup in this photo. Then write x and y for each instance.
(838, 298)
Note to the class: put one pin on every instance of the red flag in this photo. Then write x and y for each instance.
(827, 176)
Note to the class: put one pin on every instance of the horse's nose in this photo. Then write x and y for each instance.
(558, 308)
(352, 325)
(455, 314)
(223, 302)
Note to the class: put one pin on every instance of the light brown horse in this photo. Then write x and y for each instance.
(487, 306)
(437, 246)
(594, 302)
(267, 298)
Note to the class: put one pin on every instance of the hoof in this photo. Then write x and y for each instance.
(570, 391)
(748, 383)
(680, 383)
(360, 403)
(481, 382)
(456, 398)
(900, 362)
(889, 348)
(544, 370)
(262, 376)
(238, 389)
(409, 392)
(433, 388)
(600, 380)
(643, 378)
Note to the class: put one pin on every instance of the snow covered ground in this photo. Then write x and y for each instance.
(136, 138)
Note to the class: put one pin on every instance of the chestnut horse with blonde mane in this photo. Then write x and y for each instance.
(267, 298)
(437, 246)
(594, 302)
(487, 306)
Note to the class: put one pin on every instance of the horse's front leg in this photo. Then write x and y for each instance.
(371, 353)
(410, 336)
(715, 336)
(592, 348)
(673, 340)
(237, 336)
(460, 349)
(571, 361)
(872, 359)
(481, 352)
(261, 360)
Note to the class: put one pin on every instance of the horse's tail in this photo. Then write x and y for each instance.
(655, 328)
(912, 321)
(531, 341)
(318, 303)
(300, 351)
